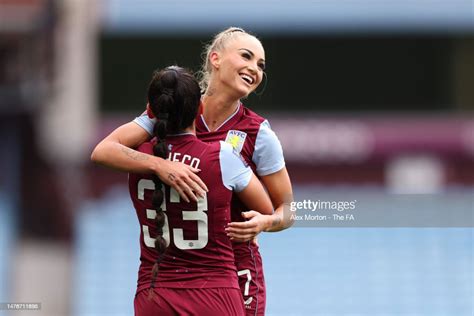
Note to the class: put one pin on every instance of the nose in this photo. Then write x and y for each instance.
(252, 68)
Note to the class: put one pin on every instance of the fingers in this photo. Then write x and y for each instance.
(183, 179)
(244, 231)
(249, 214)
(194, 185)
(189, 193)
(242, 238)
(241, 225)
(252, 218)
(183, 189)
(190, 189)
(181, 193)
(191, 184)
(196, 179)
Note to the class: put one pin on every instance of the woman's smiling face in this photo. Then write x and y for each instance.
(239, 66)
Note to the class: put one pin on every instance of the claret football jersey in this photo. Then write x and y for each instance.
(248, 133)
(199, 253)
(252, 138)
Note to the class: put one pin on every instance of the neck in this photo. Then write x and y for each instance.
(217, 108)
(190, 129)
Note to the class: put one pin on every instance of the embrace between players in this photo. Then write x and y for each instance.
(201, 209)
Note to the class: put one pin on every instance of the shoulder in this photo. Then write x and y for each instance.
(260, 122)
(145, 122)
(251, 116)
(250, 123)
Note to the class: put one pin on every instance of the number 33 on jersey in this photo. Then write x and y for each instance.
(199, 215)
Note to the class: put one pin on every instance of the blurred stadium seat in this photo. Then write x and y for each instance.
(107, 256)
(7, 230)
(309, 271)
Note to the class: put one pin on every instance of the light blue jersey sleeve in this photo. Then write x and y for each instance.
(268, 154)
(145, 122)
(235, 175)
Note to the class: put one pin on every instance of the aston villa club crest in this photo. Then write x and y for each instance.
(236, 139)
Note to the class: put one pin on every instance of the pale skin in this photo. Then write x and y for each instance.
(237, 70)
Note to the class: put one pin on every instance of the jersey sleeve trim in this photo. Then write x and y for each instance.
(145, 122)
(268, 153)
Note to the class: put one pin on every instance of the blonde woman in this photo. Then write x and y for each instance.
(233, 67)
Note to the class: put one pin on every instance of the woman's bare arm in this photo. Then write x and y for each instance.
(116, 151)
(255, 198)
(279, 188)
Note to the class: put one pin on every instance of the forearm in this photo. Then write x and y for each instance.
(115, 151)
(279, 188)
(280, 220)
(256, 223)
(119, 157)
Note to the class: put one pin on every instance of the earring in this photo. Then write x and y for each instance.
(265, 80)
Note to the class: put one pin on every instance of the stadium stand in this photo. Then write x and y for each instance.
(313, 270)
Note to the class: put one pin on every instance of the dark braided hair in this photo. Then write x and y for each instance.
(174, 97)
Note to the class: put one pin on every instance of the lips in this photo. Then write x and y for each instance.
(249, 79)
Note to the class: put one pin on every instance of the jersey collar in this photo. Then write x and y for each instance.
(202, 125)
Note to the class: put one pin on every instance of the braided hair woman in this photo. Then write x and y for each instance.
(187, 261)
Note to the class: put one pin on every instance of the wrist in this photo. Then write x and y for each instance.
(156, 166)
(270, 219)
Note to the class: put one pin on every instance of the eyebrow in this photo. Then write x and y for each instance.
(251, 53)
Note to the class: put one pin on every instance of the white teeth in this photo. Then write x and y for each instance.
(247, 78)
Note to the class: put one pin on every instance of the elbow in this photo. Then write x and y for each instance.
(290, 221)
(288, 215)
(286, 222)
(97, 156)
(288, 210)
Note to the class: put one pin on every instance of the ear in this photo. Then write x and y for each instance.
(214, 58)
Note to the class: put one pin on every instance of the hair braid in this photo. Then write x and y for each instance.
(161, 105)
(173, 96)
